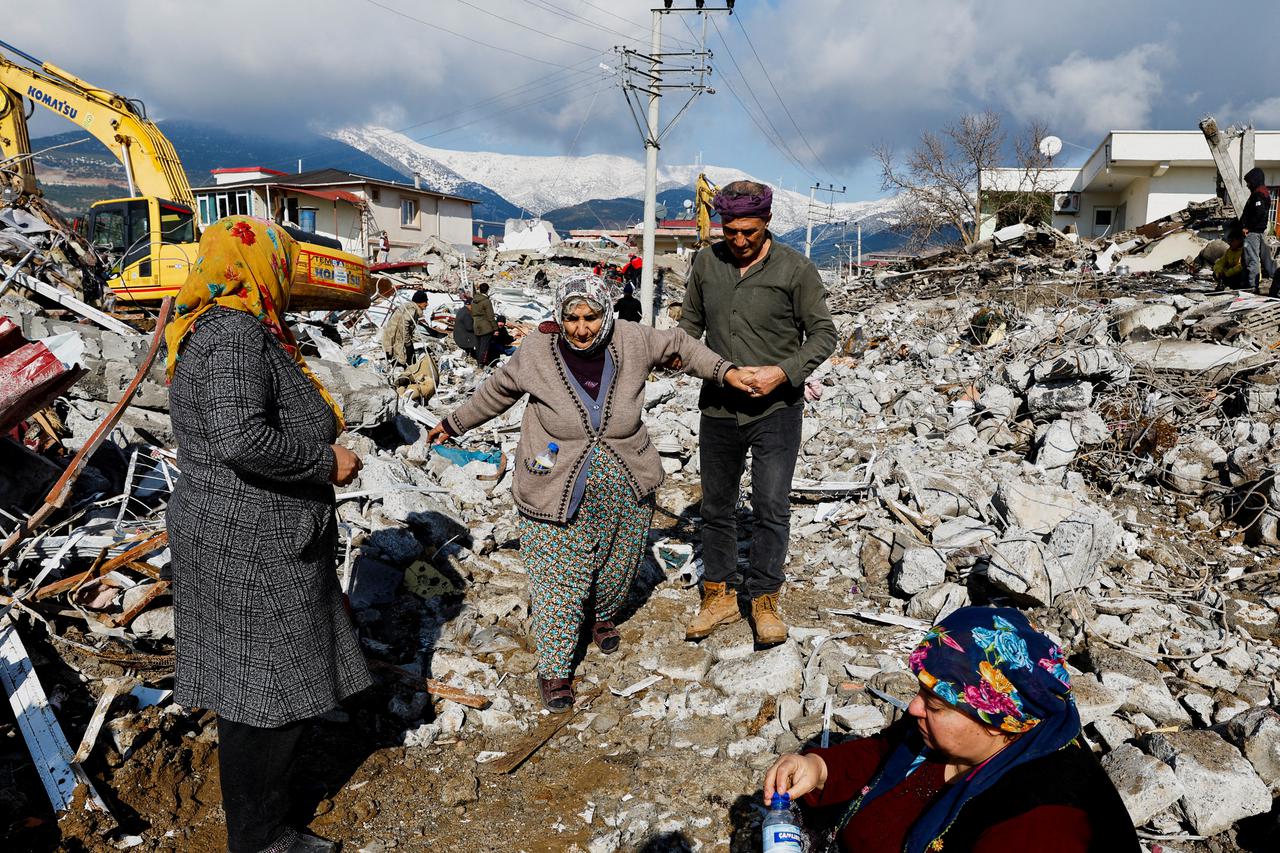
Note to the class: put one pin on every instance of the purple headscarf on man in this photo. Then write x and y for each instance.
(743, 206)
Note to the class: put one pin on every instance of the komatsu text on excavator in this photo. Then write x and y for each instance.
(151, 236)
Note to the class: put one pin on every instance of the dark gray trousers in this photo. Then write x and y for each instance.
(1257, 259)
(254, 764)
(774, 443)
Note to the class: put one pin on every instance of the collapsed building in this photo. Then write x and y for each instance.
(1082, 428)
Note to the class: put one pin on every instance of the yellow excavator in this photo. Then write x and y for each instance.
(151, 236)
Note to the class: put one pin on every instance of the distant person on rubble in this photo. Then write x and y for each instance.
(261, 635)
(585, 469)
(990, 757)
(631, 272)
(760, 303)
(398, 333)
(384, 246)
(1256, 222)
(1228, 270)
(464, 331)
(628, 307)
(484, 322)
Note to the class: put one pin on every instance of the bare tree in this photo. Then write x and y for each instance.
(1025, 193)
(944, 180)
(940, 183)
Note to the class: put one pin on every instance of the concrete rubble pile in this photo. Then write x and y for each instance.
(1097, 448)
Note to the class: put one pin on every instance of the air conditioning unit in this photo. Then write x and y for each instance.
(1066, 203)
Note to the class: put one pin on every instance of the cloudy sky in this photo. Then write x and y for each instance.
(523, 75)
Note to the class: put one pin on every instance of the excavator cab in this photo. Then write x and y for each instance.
(151, 243)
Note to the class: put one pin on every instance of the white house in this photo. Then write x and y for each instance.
(1134, 177)
(353, 209)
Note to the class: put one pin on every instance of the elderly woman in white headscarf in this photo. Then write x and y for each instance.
(585, 469)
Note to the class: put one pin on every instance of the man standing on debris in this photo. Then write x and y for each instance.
(1256, 222)
(464, 332)
(261, 635)
(398, 334)
(760, 303)
(628, 307)
(585, 469)
(384, 246)
(483, 322)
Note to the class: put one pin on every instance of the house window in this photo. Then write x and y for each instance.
(217, 205)
(1103, 219)
(409, 212)
(307, 219)
(375, 194)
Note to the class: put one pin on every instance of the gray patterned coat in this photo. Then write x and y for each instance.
(261, 634)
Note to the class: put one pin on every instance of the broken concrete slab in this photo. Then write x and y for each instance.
(767, 673)
(1147, 317)
(1211, 362)
(1256, 733)
(1034, 507)
(919, 569)
(1219, 785)
(1147, 785)
(1138, 682)
(1052, 399)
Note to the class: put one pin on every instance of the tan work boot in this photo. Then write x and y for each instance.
(719, 607)
(765, 621)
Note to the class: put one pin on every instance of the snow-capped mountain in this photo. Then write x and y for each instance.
(543, 183)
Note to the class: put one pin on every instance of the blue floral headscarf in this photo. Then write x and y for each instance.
(988, 663)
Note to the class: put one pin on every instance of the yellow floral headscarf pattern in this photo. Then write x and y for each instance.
(247, 265)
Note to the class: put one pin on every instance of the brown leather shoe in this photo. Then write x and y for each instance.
(766, 622)
(719, 607)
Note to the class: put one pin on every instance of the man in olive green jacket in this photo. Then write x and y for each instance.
(760, 303)
(484, 322)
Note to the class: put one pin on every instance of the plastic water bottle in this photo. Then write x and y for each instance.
(546, 460)
(782, 833)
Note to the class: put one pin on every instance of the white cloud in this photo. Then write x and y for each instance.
(1265, 113)
(852, 74)
(1084, 96)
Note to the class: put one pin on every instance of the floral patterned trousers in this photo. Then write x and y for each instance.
(588, 563)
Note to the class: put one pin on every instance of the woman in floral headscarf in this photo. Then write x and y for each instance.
(990, 758)
(585, 515)
(261, 636)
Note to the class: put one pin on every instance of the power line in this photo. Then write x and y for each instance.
(516, 23)
(576, 18)
(533, 88)
(435, 26)
(763, 112)
(747, 110)
(785, 108)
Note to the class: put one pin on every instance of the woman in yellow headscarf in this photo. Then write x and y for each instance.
(262, 637)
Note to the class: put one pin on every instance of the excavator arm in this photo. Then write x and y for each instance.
(150, 162)
(705, 192)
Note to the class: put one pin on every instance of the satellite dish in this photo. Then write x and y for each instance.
(688, 203)
(1051, 146)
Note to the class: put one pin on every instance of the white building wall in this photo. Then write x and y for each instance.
(1171, 192)
(448, 219)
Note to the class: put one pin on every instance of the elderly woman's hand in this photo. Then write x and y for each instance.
(796, 775)
(740, 378)
(438, 434)
(346, 465)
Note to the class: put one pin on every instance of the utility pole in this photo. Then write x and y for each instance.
(651, 82)
(859, 248)
(828, 212)
(651, 174)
